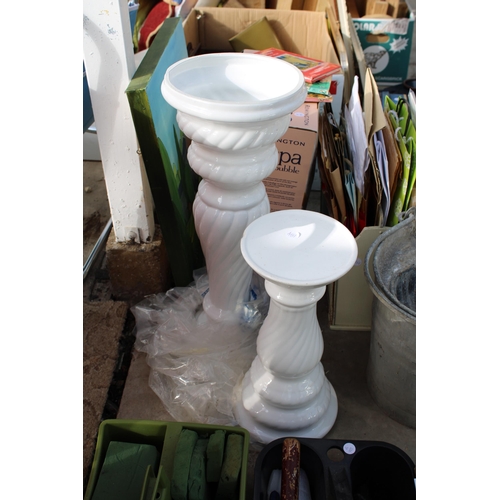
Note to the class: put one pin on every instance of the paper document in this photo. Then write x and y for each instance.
(356, 135)
(375, 122)
(383, 166)
(412, 103)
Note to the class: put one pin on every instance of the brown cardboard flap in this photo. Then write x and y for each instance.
(285, 4)
(252, 4)
(233, 4)
(258, 36)
(393, 156)
(352, 8)
(302, 32)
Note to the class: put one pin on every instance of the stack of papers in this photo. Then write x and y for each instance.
(369, 158)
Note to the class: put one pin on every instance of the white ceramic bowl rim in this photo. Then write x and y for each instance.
(235, 110)
(274, 248)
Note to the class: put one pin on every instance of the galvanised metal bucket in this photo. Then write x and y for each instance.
(391, 371)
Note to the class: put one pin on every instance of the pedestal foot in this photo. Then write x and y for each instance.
(266, 433)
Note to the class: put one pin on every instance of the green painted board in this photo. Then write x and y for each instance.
(163, 147)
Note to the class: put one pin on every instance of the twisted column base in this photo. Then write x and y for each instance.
(266, 421)
(285, 392)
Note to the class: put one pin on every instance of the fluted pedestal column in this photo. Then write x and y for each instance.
(234, 107)
(285, 392)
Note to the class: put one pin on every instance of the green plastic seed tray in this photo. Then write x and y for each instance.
(155, 477)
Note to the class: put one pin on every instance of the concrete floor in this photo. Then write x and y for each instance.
(344, 359)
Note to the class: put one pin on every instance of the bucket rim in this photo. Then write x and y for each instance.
(385, 296)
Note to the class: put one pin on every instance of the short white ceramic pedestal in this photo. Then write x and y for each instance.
(234, 107)
(285, 392)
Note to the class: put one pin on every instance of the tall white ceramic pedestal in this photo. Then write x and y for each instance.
(234, 107)
(285, 392)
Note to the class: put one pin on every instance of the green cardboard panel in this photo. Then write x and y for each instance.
(163, 147)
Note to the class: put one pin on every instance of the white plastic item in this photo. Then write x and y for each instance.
(285, 392)
(234, 107)
(194, 368)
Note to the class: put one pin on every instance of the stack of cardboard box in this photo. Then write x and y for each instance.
(302, 32)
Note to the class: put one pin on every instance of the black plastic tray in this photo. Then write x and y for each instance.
(344, 470)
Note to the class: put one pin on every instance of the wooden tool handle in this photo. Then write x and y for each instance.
(290, 469)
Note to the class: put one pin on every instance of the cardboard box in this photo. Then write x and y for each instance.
(288, 186)
(350, 298)
(302, 32)
(209, 29)
(387, 46)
